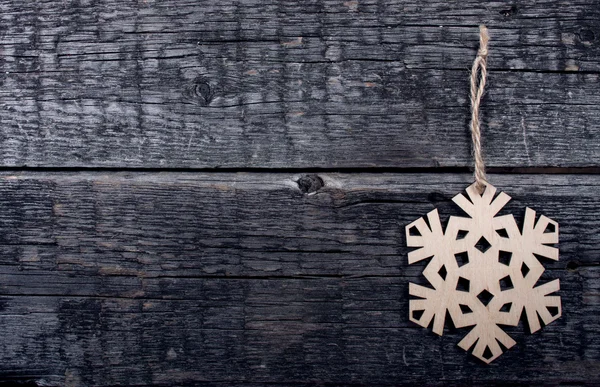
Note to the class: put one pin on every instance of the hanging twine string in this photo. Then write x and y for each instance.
(478, 78)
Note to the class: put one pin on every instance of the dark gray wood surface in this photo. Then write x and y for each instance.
(263, 273)
(252, 279)
(287, 84)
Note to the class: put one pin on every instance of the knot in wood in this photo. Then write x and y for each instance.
(509, 12)
(200, 92)
(572, 265)
(586, 36)
(310, 183)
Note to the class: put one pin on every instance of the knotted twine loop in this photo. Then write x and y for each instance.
(478, 78)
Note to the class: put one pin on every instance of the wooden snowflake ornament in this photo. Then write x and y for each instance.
(483, 271)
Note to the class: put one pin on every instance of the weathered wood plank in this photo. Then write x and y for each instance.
(273, 84)
(160, 278)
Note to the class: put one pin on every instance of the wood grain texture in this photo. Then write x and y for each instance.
(250, 279)
(283, 84)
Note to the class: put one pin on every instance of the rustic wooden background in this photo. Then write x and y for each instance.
(215, 192)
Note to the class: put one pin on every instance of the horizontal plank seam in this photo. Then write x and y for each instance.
(550, 170)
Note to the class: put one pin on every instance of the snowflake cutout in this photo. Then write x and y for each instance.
(483, 271)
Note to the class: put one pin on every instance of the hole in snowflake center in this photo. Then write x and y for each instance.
(461, 234)
(483, 245)
(443, 272)
(524, 270)
(461, 258)
(506, 283)
(502, 233)
(465, 309)
(504, 257)
(485, 297)
(463, 284)
(506, 307)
